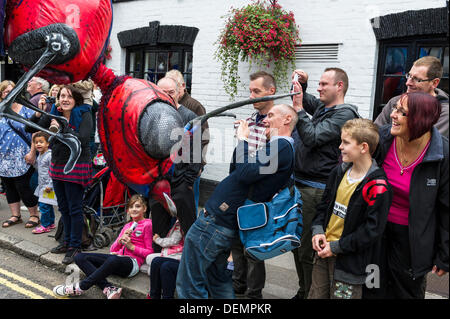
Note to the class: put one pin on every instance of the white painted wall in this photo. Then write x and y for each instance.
(320, 21)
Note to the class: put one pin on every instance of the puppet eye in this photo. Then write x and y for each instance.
(160, 128)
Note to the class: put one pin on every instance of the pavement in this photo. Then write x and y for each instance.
(281, 277)
(22, 241)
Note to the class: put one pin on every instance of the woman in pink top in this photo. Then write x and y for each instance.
(415, 158)
(128, 253)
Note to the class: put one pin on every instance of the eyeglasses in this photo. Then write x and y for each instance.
(414, 79)
(399, 111)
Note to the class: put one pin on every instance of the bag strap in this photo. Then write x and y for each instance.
(290, 183)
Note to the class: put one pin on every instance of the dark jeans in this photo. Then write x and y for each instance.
(70, 204)
(98, 267)
(163, 277)
(18, 188)
(249, 275)
(183, 198)
(304, 255)
(394, 260)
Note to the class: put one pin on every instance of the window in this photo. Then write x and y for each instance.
(403, 38)
(396, 58)
(152, 62)
(156, 49)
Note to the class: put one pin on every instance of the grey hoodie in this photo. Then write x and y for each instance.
(43, 165)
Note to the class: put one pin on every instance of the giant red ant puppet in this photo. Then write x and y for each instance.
(64, 42)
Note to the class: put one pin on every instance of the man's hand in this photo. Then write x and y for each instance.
(302, 76)
(243, 131)
(42, 104)
(318, 242)
(297, 100)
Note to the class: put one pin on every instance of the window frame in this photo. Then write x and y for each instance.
(413, 45)
(182, 50)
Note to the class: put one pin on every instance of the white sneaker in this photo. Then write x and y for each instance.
(145, 269)
(69, 290)
(112, 292)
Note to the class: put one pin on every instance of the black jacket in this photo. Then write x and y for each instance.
(317, 152)
(364, 222)
(189, 165)
(428, 198)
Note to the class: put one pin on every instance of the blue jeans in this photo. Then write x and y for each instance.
(47, 214)
(203, 265)
(70, 204)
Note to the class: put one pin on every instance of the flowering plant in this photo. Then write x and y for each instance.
(261, 32)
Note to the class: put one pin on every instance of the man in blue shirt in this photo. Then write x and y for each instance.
(203, 267)
(249, 274)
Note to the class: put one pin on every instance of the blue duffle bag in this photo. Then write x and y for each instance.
(271, 228)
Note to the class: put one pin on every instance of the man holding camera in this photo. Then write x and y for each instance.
(36, 87)
(317, 152)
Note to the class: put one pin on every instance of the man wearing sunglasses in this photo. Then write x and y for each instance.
(424, 76)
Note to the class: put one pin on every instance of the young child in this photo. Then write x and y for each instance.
(351, 217)
(44, 190)
(128, 253)
(163, 267)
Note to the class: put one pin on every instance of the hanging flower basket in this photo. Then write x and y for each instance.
(260, 32)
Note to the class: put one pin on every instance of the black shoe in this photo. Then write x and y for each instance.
(254, 296)
(60, 249)
(299, 295)
(239, 292)
(70, 255)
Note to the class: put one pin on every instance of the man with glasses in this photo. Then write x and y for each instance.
(424, 76)
(183, 178)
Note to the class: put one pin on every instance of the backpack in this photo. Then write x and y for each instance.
(90, 226)
(271, 228)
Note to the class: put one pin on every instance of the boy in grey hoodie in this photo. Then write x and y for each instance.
(44, 191)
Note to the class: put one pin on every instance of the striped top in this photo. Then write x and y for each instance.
(81, 173)
(257, 138)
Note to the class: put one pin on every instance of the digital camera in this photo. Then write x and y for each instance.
(50, 99)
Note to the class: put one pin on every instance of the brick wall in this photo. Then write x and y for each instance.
(326, 21)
